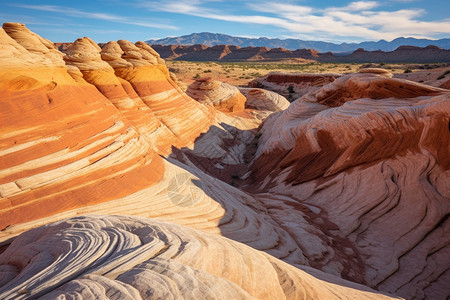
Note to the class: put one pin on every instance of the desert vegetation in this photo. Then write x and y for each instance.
(240, 73)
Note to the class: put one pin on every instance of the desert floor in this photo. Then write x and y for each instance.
(240, 73)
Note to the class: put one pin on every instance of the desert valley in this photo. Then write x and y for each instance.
(123, 176)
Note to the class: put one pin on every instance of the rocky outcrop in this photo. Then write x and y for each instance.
(292, 85)
(246, 53)
(76, 139)
(264, 100)
(77, 131)
(222, 96)
(136, 258)
(214, 53)
(350, 182)
(360, 148)
(402, 54)
(61, 137)
(175, 51)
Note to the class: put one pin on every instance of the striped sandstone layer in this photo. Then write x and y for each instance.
(111, 257)
(60, 137)
(222, 96)
(75, 133)
(89, 150)
(83, 133)
(372, 153)
(292, 85)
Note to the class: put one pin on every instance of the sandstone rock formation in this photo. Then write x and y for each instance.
(437, 77)
(293, 85)
(235, 53)
(349, 185)
(113, 257)
(222, 96)
(400, 55)
(264, 100)
(373, 152)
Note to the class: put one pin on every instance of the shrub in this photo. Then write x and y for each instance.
(407, 71)
(443, 74)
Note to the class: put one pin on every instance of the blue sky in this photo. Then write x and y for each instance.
(333, 21)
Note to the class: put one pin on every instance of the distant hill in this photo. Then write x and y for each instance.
(406, 54)
(212, 39)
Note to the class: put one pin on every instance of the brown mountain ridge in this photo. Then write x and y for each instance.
(235, 53)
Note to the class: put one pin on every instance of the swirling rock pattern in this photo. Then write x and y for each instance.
(373, 153)
(292, 86)
(112, 257)
(264, 100)
(60, 137)
(352, 180)
(223, 96)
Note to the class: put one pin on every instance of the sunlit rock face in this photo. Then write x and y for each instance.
(60, 136)
(83, 134)
(222, 96)
(75, 134)
(293, 85)
(373, 153)
(350, 182)
(261, 99)
(112, 257)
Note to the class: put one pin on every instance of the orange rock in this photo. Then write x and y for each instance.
(293, 86)
(62, 143)
(359, 148)
(222, 96)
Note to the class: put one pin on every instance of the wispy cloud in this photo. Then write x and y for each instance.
(359, 19)
(68, 11)
(405, 1)
(361, 5)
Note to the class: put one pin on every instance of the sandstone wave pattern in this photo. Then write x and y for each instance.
(113, 257)
(116, 184)
(373, 152)
(222, 96)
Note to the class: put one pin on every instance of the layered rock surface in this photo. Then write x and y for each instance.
(264, 100)
(402, 54)
(293, 85)
(372, 152)
(222, 96)
(108, 131)
(113, 257)
(74, 140)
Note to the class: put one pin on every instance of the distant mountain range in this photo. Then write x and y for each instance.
(200, 52)
(211, 39)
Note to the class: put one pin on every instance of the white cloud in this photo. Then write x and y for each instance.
(94, 15)
(361, 5)
(364, 20)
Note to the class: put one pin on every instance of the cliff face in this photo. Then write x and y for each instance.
(86, 126)
(235, 53)
(293, 85)
(350, 182)
(222, 96)
(60, 135)
(373, 152)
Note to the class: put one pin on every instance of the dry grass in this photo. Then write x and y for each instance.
(240, 73)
